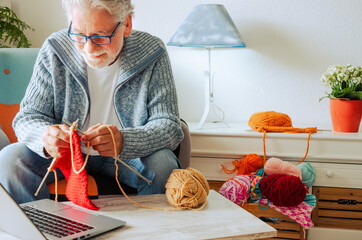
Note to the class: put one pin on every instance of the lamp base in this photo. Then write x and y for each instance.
(206, 113)
(209, 97)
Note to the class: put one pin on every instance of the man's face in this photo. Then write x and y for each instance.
(99, 23)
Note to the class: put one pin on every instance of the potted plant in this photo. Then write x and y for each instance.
(345, 97)
(12, 30)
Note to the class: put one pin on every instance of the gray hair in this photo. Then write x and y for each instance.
(118, 9)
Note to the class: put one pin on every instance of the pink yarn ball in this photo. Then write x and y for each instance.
(236, 189)
(277, 166)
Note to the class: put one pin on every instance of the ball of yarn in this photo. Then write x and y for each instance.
(269, 118)
(254, 180)
(311, 199)
(278, 166)
(260, 172)
(236, 189)
(308, 173)
(249, 164)
(186, 188)
(254, 186)
(283, 190)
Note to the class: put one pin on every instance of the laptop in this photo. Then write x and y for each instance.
(47, 219)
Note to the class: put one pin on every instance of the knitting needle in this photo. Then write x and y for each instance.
(125, 164)
(49, 170)
(45, 177)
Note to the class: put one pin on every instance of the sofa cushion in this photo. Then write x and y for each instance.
(4, 141)
(7, 113)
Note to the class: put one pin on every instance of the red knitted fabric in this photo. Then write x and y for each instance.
(76, 189)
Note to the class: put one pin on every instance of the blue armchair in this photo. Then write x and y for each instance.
(16, 67)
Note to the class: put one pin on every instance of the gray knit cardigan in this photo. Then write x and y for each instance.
(145, 98)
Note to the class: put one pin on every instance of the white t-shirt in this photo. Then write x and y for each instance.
(101, 84)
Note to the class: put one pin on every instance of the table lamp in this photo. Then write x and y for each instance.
(208, 26)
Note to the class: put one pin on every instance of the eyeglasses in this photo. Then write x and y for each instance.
(99, 40)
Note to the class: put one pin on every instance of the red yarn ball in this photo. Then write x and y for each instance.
(283, 190)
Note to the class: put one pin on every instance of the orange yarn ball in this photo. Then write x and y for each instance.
(269, 118)
(246, 165)
(249, 164)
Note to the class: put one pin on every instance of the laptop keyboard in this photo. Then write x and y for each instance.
(53, 224)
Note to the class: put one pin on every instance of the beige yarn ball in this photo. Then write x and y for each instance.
(187, 189)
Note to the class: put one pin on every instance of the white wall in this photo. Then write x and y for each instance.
(45, 16)
(289, 46)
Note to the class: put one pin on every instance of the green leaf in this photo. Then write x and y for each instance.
(359, 87)
(355, 95)
(12, 29)
(342, 93)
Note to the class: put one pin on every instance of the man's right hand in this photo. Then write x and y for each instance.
(56, 140)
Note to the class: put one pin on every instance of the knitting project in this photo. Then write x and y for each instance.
(77, 181)
(300, 214)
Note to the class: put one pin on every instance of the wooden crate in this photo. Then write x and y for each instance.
(287, 229)
(338, 208)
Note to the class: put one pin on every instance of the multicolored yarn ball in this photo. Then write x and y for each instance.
(260, 172)
(311, 199)
(278, 166)
(236, 189)
(283, 190)
(254, 181)
(254, 186)
(308, 173)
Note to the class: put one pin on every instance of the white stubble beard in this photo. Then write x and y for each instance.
(99, 63)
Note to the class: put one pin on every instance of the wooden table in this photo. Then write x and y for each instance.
(220, 219)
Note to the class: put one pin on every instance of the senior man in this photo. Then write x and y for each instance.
(99, 71)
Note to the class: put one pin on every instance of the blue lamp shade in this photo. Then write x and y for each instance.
(210, 26)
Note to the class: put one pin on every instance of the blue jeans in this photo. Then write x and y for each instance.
(22, 170)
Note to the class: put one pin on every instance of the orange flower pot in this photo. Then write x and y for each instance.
(346, 115)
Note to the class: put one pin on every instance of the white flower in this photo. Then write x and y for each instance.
(341, 77)
(343, 80)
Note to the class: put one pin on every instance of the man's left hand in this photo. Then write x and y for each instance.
(100, 139)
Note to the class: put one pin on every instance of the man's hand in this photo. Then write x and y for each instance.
(100, 139)
(56, 140)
